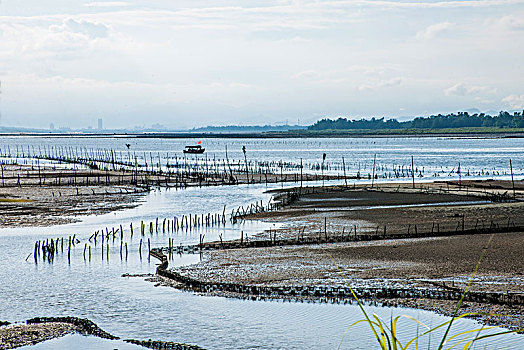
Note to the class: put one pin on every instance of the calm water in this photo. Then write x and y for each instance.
(134, 308)
(433, 156)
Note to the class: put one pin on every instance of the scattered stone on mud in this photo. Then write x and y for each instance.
(137, 275)
(437, 263)
(159, 344)
(15, 336)
(54, 202)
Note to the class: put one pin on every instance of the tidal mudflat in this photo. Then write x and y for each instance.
(109, 283)
(442, 229)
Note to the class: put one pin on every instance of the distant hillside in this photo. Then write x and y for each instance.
(448, 121)
(16, 129)
(247, 128)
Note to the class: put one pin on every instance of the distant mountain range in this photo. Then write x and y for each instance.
(207, 129)
(248, 128)
(502, 120)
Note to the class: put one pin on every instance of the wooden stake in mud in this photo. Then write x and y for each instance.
(301, 172)
(373, 176)
(200, 244)
(322, 168)
(325, 227)
(245, 158)
(345, 178)
(413, 171)
(512, 181)
(69, 252)
(460, 177)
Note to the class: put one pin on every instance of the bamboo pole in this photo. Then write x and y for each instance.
(413, 171)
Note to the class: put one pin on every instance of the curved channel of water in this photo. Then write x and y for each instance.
(134, 308)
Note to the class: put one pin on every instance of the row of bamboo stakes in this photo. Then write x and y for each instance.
(48, 249)
(203, 172)
(117, 158)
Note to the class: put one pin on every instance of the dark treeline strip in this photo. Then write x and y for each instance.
(448, 121)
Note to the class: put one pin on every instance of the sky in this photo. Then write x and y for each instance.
(190, 63)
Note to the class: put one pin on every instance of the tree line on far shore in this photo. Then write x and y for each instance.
(459, 120)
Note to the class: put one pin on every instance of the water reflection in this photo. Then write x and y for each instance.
(132, 307)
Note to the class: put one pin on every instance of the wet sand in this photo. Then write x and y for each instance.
(431, 262)
(430, 207)
(29, 334)
(60, 197)
(32, 195)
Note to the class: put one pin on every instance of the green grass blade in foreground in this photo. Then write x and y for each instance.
(347, 330)
(384, 335)
(431, 330)
(491, 335)
(480, 330)
(370, 323)
(390, 341)
(393, 322)
(467, 336)
(443, 340)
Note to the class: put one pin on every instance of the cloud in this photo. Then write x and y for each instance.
(390, 83)
(430, 5)
(381, 84)
(107, 4)
(307, 74)
(369, 76)
(91, 29)
(113, 93)
(434, 31)
(512, 22)
(461, 89)
(26, 41)
(294, 40)
(514, 101)
(311, 54)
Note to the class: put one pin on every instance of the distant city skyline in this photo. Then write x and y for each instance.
(189, 64)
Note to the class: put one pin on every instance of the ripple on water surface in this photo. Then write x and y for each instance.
(134, 308)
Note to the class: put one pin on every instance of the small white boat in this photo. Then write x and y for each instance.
(194, 149)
